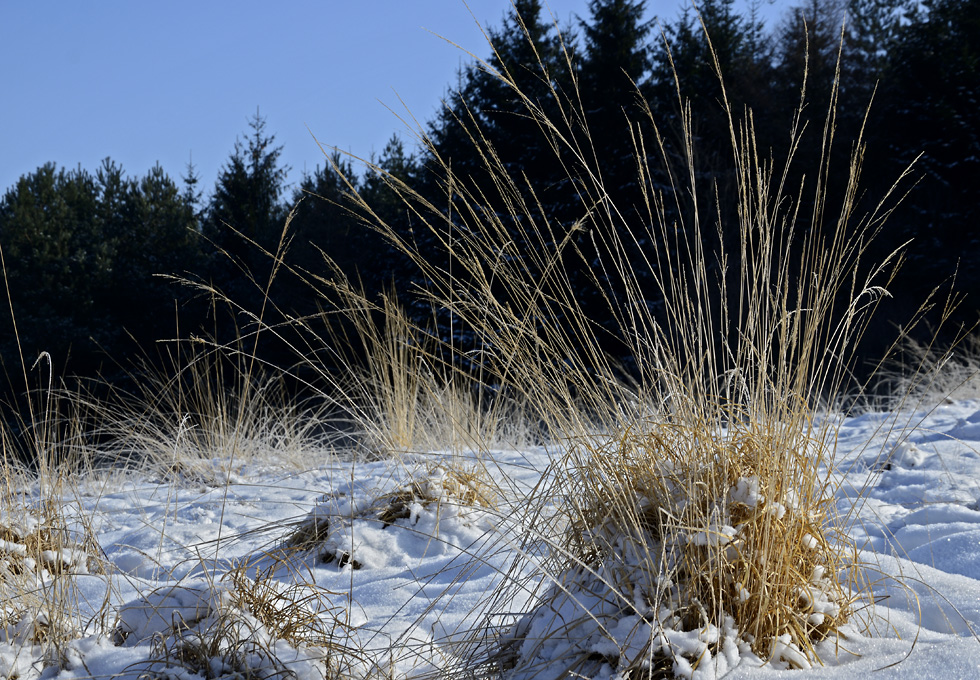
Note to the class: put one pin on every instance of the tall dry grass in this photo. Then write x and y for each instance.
(46, 545)
(687, 518)
(694, 498)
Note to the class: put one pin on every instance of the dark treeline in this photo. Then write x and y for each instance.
(83, 251)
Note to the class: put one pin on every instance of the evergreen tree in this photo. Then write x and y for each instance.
(615, 60)
(84, 254)
(931, 100)
(489, 130)
(872, 30)
(710, 39)
(710, 55)
(871, 35)
(245, 218)
(488, 113)
(57, 261)
(808, 47)
(616, 57)
(387, 268)
(192, 194)
(156, 238)
(322, 224)
(246, 204)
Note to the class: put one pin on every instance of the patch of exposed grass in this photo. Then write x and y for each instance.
(247, 626)
(455, 485)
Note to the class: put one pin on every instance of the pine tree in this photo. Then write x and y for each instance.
(245, 217)
(57, 261)
(246, 205)
(616, 57)
(931, 96)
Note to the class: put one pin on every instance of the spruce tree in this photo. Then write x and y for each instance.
(245, 217)
(615, 59)
(192, 193)
(246, 204)
(931, 99)
(485, 111)
(493, 115)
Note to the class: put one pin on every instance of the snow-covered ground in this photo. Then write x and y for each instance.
(400, 580)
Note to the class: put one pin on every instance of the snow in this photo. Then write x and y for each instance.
(402, 577)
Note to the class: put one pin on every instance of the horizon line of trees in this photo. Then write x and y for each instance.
(87, 255)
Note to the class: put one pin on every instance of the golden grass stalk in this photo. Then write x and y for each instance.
(696, 496)
(202, 418)
(45, 543)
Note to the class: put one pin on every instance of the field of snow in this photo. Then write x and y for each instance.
(376, 563)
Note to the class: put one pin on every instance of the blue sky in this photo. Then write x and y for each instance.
(143, 82)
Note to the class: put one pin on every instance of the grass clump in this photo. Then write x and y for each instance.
(433, 489)
(46, 543)
(686, 547)
(689, 521)
(204, 417)
(248, 625)
(924, 375)
(40, 556)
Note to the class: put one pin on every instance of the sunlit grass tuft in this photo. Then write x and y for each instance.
(687, 518)
(690, 518)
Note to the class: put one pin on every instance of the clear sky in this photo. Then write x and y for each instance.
(168, 81)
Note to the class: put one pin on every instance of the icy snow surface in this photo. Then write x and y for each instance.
(409, 583)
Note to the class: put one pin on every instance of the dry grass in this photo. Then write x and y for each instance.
(205, 419)
(923, 375)
(251, 625)
(688, 516)
(695, 529)
(450, 484)
(406, 399)
(696, 496)
(45, 545)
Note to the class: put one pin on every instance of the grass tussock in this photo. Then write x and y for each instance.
(205, 419)
(687, 520)
(434, 488)
(923, 375)
(697, 528)
(249, 625)
(690, 520)
(406, 399)
(45, 548)
(40, 556)
(46, 545)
